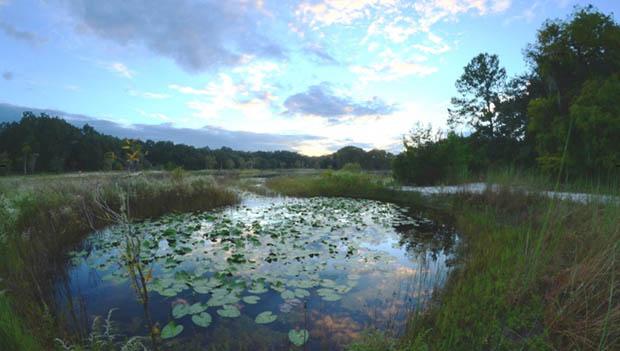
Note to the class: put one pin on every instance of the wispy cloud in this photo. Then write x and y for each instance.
(392, 70)
(120, 69)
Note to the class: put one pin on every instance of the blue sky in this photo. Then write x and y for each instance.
(310, 76)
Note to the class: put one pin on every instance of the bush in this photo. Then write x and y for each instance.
(352, 167)
(427, 161)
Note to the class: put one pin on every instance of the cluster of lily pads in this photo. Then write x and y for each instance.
(229, 258)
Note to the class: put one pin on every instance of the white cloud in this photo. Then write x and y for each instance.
(120, 69)
(328, 12)
(392, 70)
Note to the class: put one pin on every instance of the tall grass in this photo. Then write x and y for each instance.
(532, 273)
(42, 219)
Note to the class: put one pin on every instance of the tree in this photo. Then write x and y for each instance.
(596, 113)
(480, 87)
(570, 57)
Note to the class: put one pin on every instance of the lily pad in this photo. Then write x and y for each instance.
(265, 317)
(202, 320)
(197, 308)
(171, 330)
(298, 337)
(180, 310)
(251, 299)
(287, 294)
(229, 311)
(301, 293)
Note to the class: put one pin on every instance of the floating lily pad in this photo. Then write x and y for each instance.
(265, 317)
(171, 330)
(229, 311)
(251, 299)
(181, 310)
(287, 294)
(298, 337)
(197, 308)
(202, 320)
(301, 293)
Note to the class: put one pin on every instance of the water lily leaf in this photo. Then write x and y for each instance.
(258, 288)
(180, 310)
(301, 293)
(287, 294)
(298, 337)
(171, 330)
(265, 317)
(251, 299)
(331, 297)
(229, 311)
(202, 320)
(197, 308)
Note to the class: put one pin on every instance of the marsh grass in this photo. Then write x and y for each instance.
(532, 273)
(42, 219)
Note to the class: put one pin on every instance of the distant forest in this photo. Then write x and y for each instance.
(39, 144)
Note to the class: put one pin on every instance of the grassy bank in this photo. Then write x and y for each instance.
(42, 217)
(532, 273)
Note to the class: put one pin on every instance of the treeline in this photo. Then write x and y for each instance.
(561, 117)
(50, 144)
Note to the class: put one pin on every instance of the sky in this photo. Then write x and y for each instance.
(309, 76)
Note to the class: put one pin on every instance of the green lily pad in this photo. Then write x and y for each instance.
(298, 337)
(331, 297)
(251, 299)
(180, 310)
(197, 308)
(202, 320)
(301, 293)
(287, 295)
(265, 317)
(229, 311)
(171, 330)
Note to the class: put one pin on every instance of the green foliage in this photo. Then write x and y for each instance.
(13, 334)
(351, 167)
(578, 60)
(429, 159)
(596, 113)
(480, 88)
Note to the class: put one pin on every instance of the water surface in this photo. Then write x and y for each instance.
(257, 276)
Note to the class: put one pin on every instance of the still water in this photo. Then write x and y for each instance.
(272, 273)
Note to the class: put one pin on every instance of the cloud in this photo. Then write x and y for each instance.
(392, 70)
(320, 100)
(28, 37)
(120, 69)
(197, 35)
(148, 95)
(396, 20)
(7, 75)
(208, 136)
(329, 12)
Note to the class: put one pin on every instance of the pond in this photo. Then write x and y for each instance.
(271, 273)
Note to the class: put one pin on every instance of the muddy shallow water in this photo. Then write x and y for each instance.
(271, 273)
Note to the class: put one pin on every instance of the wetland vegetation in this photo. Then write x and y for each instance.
(145, 245)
